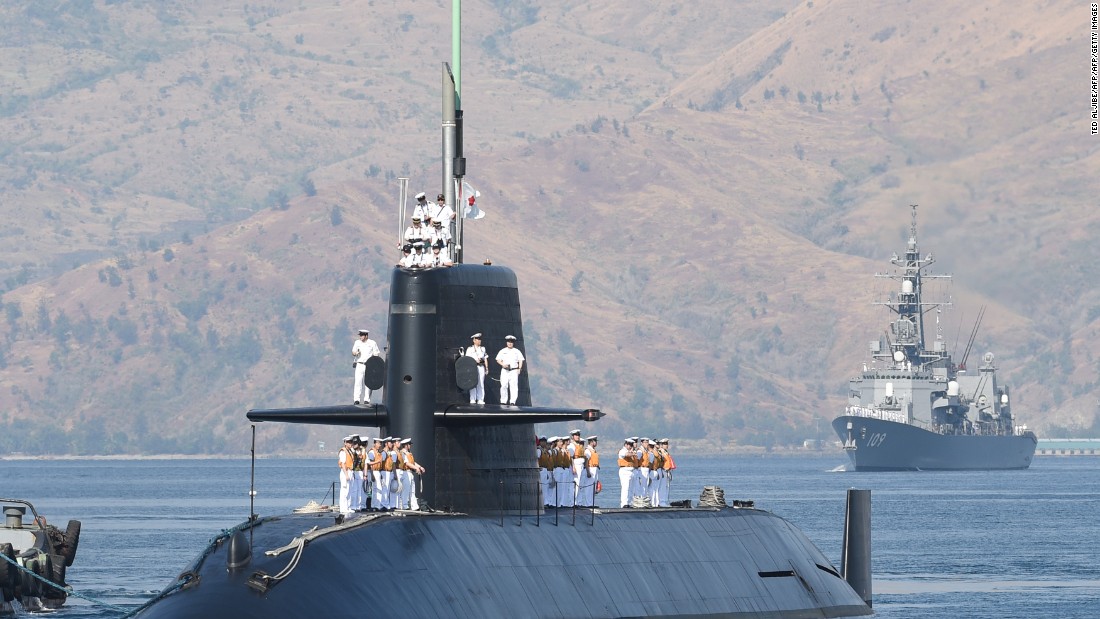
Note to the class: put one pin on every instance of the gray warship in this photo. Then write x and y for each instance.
(913, 408)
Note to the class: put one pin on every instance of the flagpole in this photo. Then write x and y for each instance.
(458, 162)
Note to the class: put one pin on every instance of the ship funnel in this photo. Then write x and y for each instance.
(855, 561)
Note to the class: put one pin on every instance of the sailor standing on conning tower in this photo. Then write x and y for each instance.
(363, 349)
(510, 360)
(477, 352)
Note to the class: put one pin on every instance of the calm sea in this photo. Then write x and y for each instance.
(986, 544)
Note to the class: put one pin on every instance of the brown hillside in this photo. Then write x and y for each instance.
(202, 201)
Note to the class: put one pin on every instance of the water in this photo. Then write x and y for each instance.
(990, 544)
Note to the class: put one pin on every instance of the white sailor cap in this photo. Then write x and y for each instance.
(593, 438)
(406, 441)
(628, 440)
(543, 438)
(387, 439)
(653, 442)
(509, 338)
(421, 196)
(476, 336)
(662, 441)
(574, 432)
(378, 439)
(347, 439)
(364, 332)
(633, 439)
(554, 439)
(355, 437)
(396, 439)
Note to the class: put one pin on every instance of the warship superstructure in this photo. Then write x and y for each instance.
(912, 407)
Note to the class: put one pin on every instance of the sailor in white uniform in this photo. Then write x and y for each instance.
(420, 209)
(511, 361)
(364, 348)
(577, 468)
(374, 464)
(346, 463)
(626, 473)
(415, 232)
(477, 352)
(586, 494)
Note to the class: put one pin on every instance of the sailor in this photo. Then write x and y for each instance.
(374, 462)
(355, 493)
(477, 352)
(668, 464)
(415, 232)
(411, 469)
(641, 468)
(345, 461)
(393, 458)
(364, 348)
(436, 232)
(439, 257)
(545, 468)
(586, 495)
(511, 361)
(563, 479)
(420, 209)
(656, 473)
(626, 472)
(386, 474)
(575, 448)
(441, 212)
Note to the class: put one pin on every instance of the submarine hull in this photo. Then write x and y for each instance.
(612, 563)
(883, 445)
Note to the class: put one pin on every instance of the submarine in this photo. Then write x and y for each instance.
(482, 543)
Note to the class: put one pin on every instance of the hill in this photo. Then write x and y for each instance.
(203, 201)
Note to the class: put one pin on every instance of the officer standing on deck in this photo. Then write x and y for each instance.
(477, 352)
(364, 348)
(511, 361)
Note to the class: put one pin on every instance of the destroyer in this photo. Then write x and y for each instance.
(914, 408)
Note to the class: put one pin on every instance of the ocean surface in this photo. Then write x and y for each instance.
(994, 544)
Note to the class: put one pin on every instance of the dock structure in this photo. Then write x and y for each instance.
(1068, 447)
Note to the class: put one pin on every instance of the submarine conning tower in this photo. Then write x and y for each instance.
(478, 458)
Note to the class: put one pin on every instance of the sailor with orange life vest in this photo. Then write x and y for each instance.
(667, 466)
(409, 468)
(586, 491)
(388, 466)
(542, 453)
(575, 448)
(346, 461)
(563, 478)
(357, 497)
(656, 473)
(641, 479)
(626, 472)
(374, 465)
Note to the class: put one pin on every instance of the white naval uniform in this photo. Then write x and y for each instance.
(564, 480)
(405, 476)
(395, 474)
(356, 497)
(378, 491)
(478, 354)
(641, 476)
(441, 259)
(362, 351)
(510, 358)
(416, 233)
(586, 491)
(420, 209)
(345, 480)
(626, 477)
(576, 454)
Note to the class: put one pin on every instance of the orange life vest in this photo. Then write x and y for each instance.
(594, 459)
(544, 460)
(346, 461)
(374, 461)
